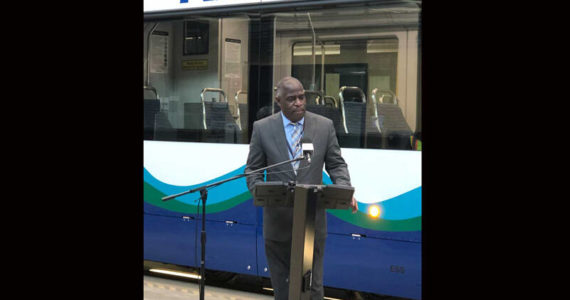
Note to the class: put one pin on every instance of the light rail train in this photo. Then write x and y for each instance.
(210, 70)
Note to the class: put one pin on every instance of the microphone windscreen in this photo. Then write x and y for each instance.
(307, 145)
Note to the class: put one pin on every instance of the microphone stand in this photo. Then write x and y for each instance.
(204, 196)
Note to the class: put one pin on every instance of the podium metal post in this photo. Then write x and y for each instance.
(303, 242)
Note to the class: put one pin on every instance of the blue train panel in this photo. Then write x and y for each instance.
(262, 268)
(169, 240)
(339, 226)
(230, 247)
(373, 265)
(243, 213)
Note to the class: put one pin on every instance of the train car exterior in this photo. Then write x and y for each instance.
(210, 69)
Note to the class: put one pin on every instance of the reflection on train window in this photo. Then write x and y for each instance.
(201, 95)
(364, 76)
(355, 84)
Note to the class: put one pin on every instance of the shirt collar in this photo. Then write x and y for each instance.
(287, 121)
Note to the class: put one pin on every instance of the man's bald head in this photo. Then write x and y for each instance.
(290, 96)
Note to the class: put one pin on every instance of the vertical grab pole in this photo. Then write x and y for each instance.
(146, 85)
(312, 87)
(322, 70)
(375, 105)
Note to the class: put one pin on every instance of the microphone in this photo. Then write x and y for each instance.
(307, 146)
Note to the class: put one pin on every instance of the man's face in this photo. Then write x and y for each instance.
(292, 100)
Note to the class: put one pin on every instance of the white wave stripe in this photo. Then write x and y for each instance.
(185, 164)
(377, 175)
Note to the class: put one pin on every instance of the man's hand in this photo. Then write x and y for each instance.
(354, 205)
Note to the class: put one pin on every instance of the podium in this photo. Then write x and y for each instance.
(304, 199)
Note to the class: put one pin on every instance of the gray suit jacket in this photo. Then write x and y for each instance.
(269, 146)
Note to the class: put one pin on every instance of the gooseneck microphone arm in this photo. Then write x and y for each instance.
(204, 196)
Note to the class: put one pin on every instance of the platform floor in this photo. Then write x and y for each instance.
(162, 287)
(157, 288)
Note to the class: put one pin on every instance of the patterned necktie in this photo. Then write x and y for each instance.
(296, 144)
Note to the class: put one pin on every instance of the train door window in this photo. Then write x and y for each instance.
(196, 79)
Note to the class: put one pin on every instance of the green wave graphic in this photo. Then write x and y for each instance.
(153, 196)
(363, 220)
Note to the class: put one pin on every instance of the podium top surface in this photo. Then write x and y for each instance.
(282, 194)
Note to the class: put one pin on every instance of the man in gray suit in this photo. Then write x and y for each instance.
(275, 139)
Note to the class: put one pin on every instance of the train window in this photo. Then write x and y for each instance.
(359, 66)
(356, 74)
(200, 92)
